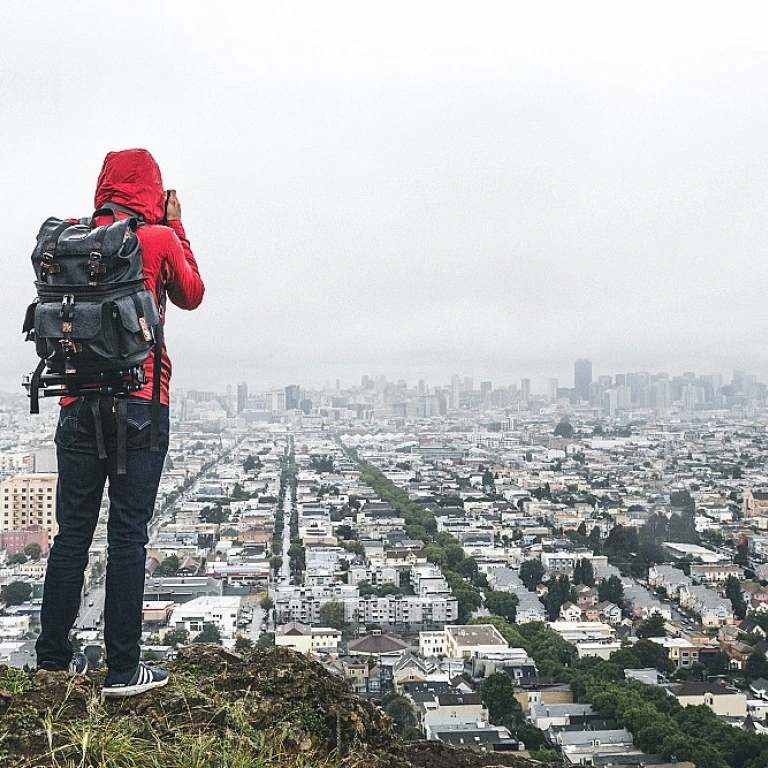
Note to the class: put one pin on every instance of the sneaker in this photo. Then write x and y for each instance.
(144, 679)
(78, 665)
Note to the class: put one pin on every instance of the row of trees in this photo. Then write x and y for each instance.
(442, 548)
(659, 724)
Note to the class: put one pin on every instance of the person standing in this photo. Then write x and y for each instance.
(130, 184)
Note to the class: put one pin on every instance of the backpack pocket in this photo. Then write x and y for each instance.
(96, 336)
(136, 324)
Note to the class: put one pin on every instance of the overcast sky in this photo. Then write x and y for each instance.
(418, 189)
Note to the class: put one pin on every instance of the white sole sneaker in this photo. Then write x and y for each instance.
(145, 679)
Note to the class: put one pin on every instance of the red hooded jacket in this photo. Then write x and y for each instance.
(131, 178)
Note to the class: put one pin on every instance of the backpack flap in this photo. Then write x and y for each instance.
(71, 253)
(139, 320)
(72, 338)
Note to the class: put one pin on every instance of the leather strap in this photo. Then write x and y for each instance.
(96, 411)
(122, 434)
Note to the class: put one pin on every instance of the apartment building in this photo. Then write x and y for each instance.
(28, 500)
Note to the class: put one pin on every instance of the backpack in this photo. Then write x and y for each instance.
(93, 322)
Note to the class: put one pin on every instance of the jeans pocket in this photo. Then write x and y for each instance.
(139, 425)
(67, 428)
(139, 429)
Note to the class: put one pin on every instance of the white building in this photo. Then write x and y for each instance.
(305, 639)
(219, 610)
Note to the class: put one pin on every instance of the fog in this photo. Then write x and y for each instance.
(416, 189)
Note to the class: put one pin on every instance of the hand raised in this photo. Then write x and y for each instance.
(172, 206)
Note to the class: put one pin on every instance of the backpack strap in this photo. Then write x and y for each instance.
(34, 387)
(49, 251)
(99, 430)
(154, 429)
(112, 208)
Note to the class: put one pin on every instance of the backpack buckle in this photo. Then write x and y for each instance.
(67, 310)
(69, 347)
(95, 267)
(146, 333)
(47, 267)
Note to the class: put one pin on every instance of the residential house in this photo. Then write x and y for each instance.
(718, 698)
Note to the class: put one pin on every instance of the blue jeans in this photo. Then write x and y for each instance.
(82, 476)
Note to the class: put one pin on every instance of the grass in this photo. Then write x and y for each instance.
(104, 738)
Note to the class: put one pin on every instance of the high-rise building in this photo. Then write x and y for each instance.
(582, 378)
(276, 401)
(455, 392)
(485, 388)
(292, 397)
(738, 382)
(29, 500)
(242, 396)
(525, 390)
(552, 390)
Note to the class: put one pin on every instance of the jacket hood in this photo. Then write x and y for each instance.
(132, 178)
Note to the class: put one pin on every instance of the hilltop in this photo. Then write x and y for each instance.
(265, 709)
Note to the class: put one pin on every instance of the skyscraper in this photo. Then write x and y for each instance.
(292, 397)
(553, 390)
(582, 378)
(242, 396)
(525, 390)
(455, 391)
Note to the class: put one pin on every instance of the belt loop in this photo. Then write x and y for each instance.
(94, 403)
(122, 435)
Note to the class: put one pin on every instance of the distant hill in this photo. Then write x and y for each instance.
(266, 709)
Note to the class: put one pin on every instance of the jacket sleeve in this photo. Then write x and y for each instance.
(183, 283)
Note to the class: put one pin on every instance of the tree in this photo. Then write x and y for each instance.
(266, 640)
(734, 594)
(33, 550)
(243, 644)
(653, 626)
(531, 573)
(756, 666)
(267, 603)
(176, 637)
(502, 604)
(564, 428)
(498, 694)
(18, 559)
(210, 634)
(169, 566)
(611, 590)
(399, 709)
(584, 573)
(559, 593)
(345, 532)
(331, 614)
(16, 593)
(251, 463)
(275, 563)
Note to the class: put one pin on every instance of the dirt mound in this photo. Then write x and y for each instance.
(436, 754)
(272, 707)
